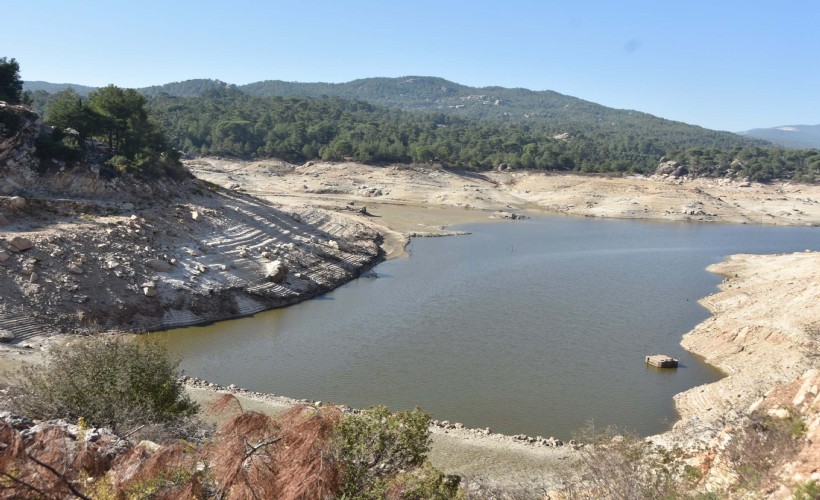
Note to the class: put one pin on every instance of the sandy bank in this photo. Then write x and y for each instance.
(764, 333)
(490, 459)
(349, 186)
(764, 330)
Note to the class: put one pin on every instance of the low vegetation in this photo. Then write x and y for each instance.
(307, 452)
(109, 382)
(757, 450)
(623, 466)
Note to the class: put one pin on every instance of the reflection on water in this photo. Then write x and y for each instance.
(534, 326)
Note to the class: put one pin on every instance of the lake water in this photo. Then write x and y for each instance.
(533, 327)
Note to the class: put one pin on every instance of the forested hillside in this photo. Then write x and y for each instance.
(423, 119)
(229, 121)
(518, 106)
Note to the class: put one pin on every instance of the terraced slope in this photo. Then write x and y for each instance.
(169, 264)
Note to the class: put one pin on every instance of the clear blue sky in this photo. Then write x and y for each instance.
(723, 64)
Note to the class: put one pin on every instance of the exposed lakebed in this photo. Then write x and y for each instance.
(532, 327)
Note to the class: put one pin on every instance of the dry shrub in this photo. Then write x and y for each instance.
(762, 445)
(240, 458)
(13, 462)
(256, 456)
(227, 404)
(50, 463)
(304, 453)
(624, 467)
(165, 473)
(307, 467)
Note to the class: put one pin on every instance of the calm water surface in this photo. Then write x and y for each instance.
(529, 327)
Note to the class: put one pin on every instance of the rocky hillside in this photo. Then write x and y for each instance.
(80, 252)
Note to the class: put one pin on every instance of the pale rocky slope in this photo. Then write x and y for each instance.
(659, 197)
(765, 334)
(99, 266)
(81, 251)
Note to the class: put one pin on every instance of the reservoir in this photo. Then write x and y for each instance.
(534, 326)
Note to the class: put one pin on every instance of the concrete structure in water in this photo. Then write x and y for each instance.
(661, 361)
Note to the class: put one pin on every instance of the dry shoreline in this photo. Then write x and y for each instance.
(401, 202)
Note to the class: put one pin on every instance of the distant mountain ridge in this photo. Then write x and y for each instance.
(790, 136)
(53, 88)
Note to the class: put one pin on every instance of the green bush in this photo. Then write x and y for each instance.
(375, 445)
(9, 122)
(807, 491)
(112, 382)
(422, 483)
(58, 146)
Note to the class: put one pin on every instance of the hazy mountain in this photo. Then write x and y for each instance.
(790, 136)
(53, 88)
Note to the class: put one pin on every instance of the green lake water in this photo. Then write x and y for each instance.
(534, 326)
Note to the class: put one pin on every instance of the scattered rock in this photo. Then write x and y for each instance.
(16, 422)
(275, 271)
(17, 202)
(195, 215)
(158, 265)
(667, 167)
(75, 269)
(781, 413)
(149, 289)
(509, 215)
(4, 256)
(18, 244)
(128, 206)
(6, 335)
